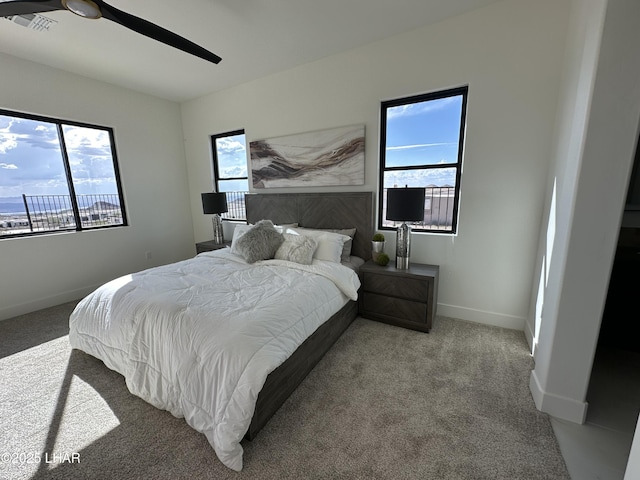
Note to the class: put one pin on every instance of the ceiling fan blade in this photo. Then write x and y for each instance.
(155, 32)
(22, 7)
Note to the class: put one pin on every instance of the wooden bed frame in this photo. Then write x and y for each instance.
(312, 210)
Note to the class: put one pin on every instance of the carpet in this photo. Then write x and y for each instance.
(384, 403)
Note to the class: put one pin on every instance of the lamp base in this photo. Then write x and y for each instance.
(402, 263)
(403, 245)
(218, 235)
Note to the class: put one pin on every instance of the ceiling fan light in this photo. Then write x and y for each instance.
(83, 8)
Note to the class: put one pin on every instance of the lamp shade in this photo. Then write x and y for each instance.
(214, 202)
(405, 204)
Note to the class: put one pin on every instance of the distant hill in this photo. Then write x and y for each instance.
(15, 206)
(12, 207)
(104, 206)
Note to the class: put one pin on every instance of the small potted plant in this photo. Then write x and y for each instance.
(377, 245)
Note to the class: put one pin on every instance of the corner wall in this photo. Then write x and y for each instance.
(592, 167)
(42, 271)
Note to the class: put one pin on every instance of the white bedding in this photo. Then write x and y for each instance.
(199, 337)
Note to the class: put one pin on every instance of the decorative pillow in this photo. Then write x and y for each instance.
(297, 248)
(260, 242)
(329, 244)
(346, 248)
(238, 232)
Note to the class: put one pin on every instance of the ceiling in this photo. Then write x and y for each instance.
(255, 38)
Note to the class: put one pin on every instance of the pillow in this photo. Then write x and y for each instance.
(238, 232)
(329, 244)
(283, 227)
(259, 242)
(346, 248)
(297, 248)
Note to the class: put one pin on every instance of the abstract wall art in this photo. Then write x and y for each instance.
(326, 157)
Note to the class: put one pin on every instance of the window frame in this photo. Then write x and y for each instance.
(214, 150)
(424, 97)
(60, 124)
(216, 168)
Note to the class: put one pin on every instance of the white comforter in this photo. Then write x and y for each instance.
(199, 337)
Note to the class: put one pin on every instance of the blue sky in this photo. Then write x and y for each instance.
(31, 161)
(423, 133)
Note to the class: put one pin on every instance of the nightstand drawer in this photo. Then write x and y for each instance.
(406, 298)
(381, 305)
(393, 285)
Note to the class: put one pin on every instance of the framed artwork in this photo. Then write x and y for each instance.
(326, 157)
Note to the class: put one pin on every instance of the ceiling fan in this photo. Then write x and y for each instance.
(95, 9)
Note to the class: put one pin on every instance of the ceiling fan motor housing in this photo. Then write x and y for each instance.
(83, 8)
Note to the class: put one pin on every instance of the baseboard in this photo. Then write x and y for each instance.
(556, 405)
(480, 316)
(46, 302)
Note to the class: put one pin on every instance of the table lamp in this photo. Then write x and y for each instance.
(404, 205)
(215, 203)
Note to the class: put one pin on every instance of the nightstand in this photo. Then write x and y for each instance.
(406, 298)
(208, 246)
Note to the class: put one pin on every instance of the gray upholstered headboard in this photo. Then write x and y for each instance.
(318, 210)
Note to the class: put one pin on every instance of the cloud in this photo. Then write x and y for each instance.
(8, 166)
(7, 139)
(420, 177)
(7, 143)
(33, 132)
(422, 145)
(86, 144)
(234, 171)
(229, 145)
(420, 108)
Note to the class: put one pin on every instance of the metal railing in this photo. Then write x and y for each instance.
(438, 209)
(47, 213)
(236, 209)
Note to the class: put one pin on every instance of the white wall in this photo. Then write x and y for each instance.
(632, 471)
(593, 163)
(41, 271)
(508, 54)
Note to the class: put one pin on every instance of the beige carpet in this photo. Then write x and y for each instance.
(384, 403)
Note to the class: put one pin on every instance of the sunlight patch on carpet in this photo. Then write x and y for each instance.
(86, 418)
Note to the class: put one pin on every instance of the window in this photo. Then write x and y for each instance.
(421, 144)
(57, 176)
(230, 171)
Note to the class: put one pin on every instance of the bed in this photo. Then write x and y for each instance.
(215, 339)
